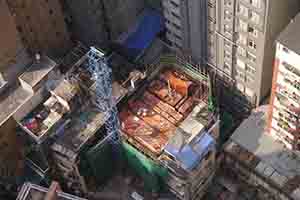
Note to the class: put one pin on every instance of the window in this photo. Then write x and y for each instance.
(254, 17)
(227, 54)
(227, 29)
(243, 10)
(285, 50)
(241, 51)
(255, 3)
(227, 15)
(227, 44)
(252, 31)
(240, 75)
(250, 69)
(227, 2)
(242, 39)
(175, 15)
(240, 63)
(177, 26)
(243, 25)
(251, 57)
(251, 44)
(227, 67)
(174, 4)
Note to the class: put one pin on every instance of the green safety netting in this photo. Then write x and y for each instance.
(152, 173)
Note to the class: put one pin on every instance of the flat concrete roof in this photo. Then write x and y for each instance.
(12, 99)
(250, 143)
(290, 36)
(252, 136)
(37, 71)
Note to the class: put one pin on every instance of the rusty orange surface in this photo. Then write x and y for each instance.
(152, 118)
(161, 89)
(138, 130)
(178, 81)
(162, 108)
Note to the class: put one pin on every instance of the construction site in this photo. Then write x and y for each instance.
(106, 111)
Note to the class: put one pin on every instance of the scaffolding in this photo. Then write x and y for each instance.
(102, 74)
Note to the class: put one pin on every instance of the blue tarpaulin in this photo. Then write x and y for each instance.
(148, 26)
(189, 155)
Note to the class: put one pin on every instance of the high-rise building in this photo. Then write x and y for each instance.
(186, 26)
(41, 26)
(285, 107)
(235, 37)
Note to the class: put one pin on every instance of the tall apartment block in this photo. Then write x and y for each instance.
(242, 42)
(186, 26)
(285, 107)
(41, 25)
(238, 38)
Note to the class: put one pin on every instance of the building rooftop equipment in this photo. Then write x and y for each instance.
(251, 145)
(33, 192)
(289, 37)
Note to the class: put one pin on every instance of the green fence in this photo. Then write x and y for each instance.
(152, 173)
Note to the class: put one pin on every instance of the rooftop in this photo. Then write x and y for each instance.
(165, 104)
(290, 36)
(37, 71)
(257, 149)
(33, 192)
(11, 100)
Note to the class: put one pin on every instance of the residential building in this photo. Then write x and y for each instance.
(242, 42)
(234, 37)
(186, 26)
(252, 156)
(284, 111)
(41, 26)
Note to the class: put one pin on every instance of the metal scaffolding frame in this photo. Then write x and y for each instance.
(102, 74)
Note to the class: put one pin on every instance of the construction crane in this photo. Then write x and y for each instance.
(102, 75)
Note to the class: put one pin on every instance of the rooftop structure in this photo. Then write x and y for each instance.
(261, 161)
(32, 192)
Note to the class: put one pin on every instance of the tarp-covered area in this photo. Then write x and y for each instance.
(148, 26)
(190, 154)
